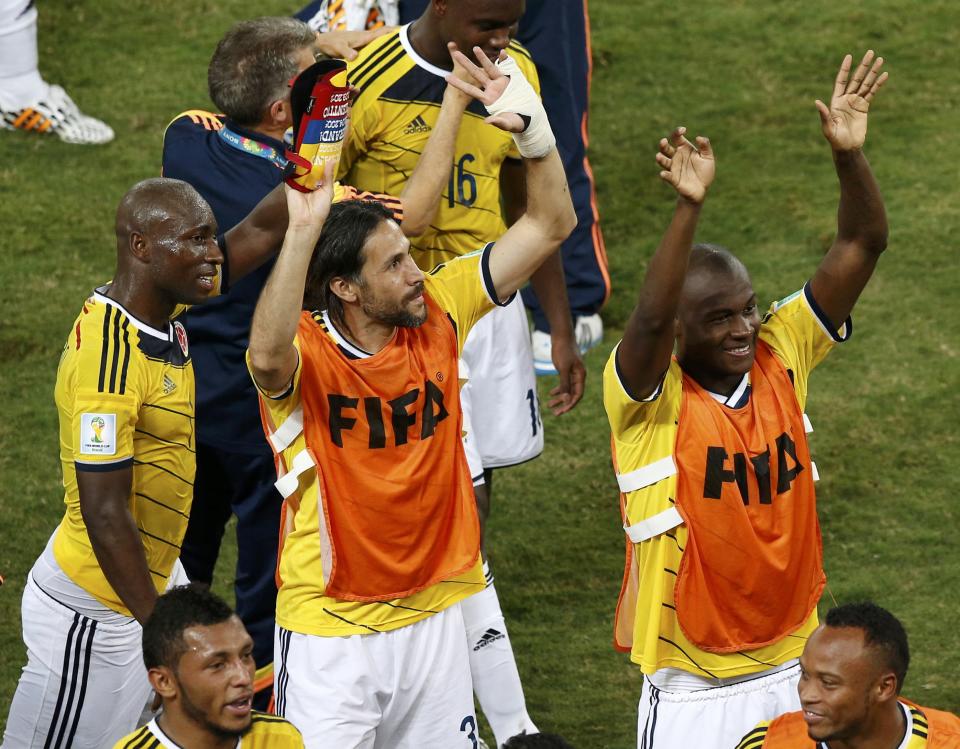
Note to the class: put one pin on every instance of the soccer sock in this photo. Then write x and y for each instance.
(496, 681)
(20, 81)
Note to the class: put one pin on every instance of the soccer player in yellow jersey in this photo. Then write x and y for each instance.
(724, 564)
(199, 660)
(852, 672)
(355, 353)
(125, 397)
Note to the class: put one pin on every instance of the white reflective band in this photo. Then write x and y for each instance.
(816, 473)
(807, 426)
(288, 431)
(287, 484)
(654, 526)
(646, 475)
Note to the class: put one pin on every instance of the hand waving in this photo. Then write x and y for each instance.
(308, 210)
(490, 84)
(845, 122)
(688, 167)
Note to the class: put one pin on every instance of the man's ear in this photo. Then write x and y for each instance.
(886, 687)
(345, 289)
(163, 681)
(280, 113)
(139, 246)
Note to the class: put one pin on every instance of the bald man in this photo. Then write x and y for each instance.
(724, 566)
(125, 397)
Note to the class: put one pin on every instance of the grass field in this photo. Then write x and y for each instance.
(746, 74)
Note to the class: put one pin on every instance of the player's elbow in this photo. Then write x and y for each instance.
(414, 224)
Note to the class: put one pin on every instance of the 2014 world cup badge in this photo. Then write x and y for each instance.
(98, 434)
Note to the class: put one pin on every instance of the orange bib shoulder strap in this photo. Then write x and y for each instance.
(752, 569)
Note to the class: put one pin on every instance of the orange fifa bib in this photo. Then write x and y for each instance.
(752, 570)
(396, 508)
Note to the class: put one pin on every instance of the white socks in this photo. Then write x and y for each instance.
(20, 81)
(496, 681)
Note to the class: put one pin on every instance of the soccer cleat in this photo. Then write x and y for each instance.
(57, 114)
(587, 331)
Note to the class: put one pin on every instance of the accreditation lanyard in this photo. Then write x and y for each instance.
(252, 147)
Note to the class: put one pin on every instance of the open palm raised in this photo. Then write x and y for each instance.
(845, 122)
(688, 167)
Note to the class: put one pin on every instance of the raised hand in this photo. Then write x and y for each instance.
(490, 84)
(688, 167)
(844, 123)
(308, 210)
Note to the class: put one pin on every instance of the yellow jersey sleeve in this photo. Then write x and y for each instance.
(464, 288)
(281, 404)
(755, 738)
(801, 336)
(99, 388)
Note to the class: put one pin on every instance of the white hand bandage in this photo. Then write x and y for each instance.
(519, 97)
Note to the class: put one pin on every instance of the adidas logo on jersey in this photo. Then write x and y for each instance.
(168, 385)
(417, 125)
(490, 636)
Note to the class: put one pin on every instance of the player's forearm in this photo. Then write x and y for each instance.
(119, 550)
(861, 216)
(551, 288)
(421, 195)
(275, 319)
(258, 237)
(647, 343)
(548, 203)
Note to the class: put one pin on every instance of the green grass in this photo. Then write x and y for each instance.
(746, 74)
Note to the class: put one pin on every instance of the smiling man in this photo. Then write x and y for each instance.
(851, 674)
(724, 565)
(125, 398)
(199, 660)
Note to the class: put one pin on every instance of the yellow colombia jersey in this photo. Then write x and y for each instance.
(762, 737)
(461, 288)
(644, 433)
(125, 397)
(265, 732)
(398, 103)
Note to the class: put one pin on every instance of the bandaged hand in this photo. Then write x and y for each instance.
(510, 100)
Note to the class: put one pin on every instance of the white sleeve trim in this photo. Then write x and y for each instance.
(288, 483)
(647, 475)
(653, 526)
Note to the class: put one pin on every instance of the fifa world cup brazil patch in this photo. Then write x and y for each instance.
(98, 434)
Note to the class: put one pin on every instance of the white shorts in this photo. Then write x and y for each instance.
(84, 684)
(408, 688)
(716, 718)
(503, 387)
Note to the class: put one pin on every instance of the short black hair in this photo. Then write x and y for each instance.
(176, 610)
(253, 64)
(536, 741)
(882, 631)
(339, 252)
(714, 258)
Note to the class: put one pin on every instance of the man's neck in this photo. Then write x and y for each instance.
(885, 731)
(141, 301)
(426, 42)
(271, 131)
(187, 733)
(364, 332)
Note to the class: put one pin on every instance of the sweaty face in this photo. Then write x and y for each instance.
(718, 325)
(185, 257)
(838, 683)
(215, 678)
(392, 289)
(488, 24)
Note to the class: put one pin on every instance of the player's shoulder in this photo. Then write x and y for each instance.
(197, 119)
(524, 60)
(376, 52)
(273, 731)
(142, 738)
(755, 738)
